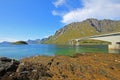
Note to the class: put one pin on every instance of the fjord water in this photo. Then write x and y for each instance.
(21, 51)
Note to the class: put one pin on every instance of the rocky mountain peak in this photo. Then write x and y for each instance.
(89, 27)
(101, 25)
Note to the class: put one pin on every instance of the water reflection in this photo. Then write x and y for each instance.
(71, 50)
(21, 51)
(114, 51)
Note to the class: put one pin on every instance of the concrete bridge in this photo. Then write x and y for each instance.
(114, 38)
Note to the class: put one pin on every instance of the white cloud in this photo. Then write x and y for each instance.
(100, 9)
(55, 13)
(59, 2)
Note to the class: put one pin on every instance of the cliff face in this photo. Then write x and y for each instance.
(88, 27)
(104, 25)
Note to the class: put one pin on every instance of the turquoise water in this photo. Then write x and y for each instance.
(21, 51)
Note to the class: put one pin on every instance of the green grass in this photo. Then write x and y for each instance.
(19, 42)
(91, 42)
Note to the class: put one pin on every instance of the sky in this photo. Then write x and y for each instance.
(37, 19)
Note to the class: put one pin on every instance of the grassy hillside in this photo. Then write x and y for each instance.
(91, 42)
(88, 27)
(19, 42)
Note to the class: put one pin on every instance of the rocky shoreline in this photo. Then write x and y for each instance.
(78, 67)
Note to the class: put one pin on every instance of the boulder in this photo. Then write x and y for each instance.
(7, 66)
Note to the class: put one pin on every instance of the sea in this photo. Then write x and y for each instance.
(23, 51)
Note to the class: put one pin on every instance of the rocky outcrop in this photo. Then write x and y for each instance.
(7, 67)
(102, 25)
(78, 67)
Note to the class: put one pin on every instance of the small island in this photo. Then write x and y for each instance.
(20, 42)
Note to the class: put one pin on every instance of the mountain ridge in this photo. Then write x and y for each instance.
(89, 27)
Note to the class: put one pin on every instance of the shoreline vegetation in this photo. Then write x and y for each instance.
(78, 67)
(20, 42)
(90, 42)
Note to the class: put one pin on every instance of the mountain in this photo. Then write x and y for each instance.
(85, 28)
(37, 41)
(5, 43)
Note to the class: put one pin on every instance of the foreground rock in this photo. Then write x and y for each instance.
(79, 67)
(7, 67)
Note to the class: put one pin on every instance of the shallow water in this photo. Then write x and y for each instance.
(21, 51)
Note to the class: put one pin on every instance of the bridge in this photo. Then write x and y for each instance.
(114, 38)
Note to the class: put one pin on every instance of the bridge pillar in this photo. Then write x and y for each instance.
(77, 42)
(114, 45)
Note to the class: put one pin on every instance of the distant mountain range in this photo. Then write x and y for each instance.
(5, 43)
(37, 41)
(9, 43)
(86, 28)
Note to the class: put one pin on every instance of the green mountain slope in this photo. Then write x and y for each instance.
(88, 27)
(19, 42)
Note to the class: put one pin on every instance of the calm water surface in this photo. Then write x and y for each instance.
(21, 51)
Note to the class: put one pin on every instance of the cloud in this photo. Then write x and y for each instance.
(100, 9)
(59, 3)
(55, 13)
